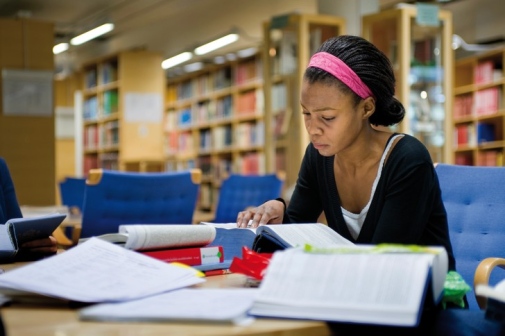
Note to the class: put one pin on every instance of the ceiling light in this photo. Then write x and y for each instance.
(247, 52)
(219, 59)
(60, 47)
(231, 56)
(177, 59)
(193, 67)
(93, 33)
(216, 44)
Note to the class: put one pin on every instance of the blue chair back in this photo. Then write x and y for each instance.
(113, 198)
(241, 191)
(72, 192)
(474, 198)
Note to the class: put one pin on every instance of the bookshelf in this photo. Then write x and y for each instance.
(419, 47)
(214, 121)
(123, 111)
(479, 114)
(289, 41)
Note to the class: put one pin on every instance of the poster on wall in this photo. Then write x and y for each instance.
(143, 107)
(27, 92)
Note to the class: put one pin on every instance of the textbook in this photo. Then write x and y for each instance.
(377, 285)
(192, 256)
(273, 237)
(163, 236)
(18, 231)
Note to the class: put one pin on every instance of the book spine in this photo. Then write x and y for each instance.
(192, 256)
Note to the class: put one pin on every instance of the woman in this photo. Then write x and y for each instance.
(9, 208)
(374, 186)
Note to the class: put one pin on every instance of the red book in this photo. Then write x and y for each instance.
(192, 256)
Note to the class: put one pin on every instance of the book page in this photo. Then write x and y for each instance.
(360, 287)
(6, 243)
(98, 271)
(316, 234)
(144, 237)
(190, 304)
(228, 226)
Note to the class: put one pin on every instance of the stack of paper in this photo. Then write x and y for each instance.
(98, 271)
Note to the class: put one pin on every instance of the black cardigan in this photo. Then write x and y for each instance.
(406, 208)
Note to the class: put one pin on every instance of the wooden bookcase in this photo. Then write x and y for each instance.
(123, 100)
(423, 61)
(289, 42)
(214, 120)
(479, 113)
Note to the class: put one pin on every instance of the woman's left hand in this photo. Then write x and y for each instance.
(43, 246)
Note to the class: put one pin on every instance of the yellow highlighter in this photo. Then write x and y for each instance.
(198, 273)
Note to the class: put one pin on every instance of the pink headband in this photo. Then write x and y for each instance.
(341, 71)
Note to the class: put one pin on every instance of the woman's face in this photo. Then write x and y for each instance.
(331, 117)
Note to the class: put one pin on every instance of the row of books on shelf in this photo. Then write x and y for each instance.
(492, 158)
(249, 102)
(108, 74)
(102, 160)
(179, 142)
(100, 136)
(242, 136)
(482, 103)
(472, 135)
(93, 110)
(488, 72)
(201, 113)
(207, 83)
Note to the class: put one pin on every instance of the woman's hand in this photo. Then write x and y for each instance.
(43, 246)
(271, 212)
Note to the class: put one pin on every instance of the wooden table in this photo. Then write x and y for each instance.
(61, 320)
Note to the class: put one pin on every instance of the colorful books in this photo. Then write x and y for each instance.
(192, 256)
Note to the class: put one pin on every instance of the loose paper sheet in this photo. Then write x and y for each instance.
(98, 271)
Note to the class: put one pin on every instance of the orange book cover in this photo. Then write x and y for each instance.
(192, 256)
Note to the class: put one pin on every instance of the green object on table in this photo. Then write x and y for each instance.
(455, 288)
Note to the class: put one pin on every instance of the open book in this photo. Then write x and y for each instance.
(365, 284)
(18, 231)
(151, 237)
(269, 238)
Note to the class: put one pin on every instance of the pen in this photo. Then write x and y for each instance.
(217, 272)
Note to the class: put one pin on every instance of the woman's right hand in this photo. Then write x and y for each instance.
(270, 212)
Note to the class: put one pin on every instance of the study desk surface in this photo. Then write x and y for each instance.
(25, 320)
(60, 319)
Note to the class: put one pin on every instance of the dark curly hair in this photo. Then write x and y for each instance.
(374, 69)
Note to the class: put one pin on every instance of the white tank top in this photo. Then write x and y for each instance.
(355, 221)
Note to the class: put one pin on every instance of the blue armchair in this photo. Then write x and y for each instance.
(239, 192)
(474, 198)
(72, 192)
(113, 198)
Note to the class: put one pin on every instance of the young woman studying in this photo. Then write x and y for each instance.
(374, 186)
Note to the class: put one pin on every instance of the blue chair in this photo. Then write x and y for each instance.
(115, 197)
(239, 192)
(474, 198)
(72, 193)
